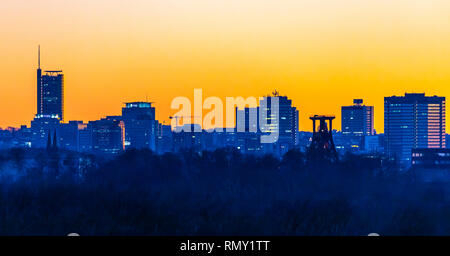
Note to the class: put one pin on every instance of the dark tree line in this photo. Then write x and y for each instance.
(213, 193)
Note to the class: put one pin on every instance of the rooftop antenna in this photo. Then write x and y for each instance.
(39, 56)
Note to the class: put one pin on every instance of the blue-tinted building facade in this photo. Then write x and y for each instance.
(357, 119)
(41, 127)
(140, 125)
(50, 96)
(283, 121)
(107, 135)
(164, 139)
(413, 121)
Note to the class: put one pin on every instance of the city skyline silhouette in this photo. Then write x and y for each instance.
(118, 52)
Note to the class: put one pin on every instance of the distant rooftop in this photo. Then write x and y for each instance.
(53, 72)
(138, 104)
(409, 97)
(52, 116)
(357, 104)
(358, 101)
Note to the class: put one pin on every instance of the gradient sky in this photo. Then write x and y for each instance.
(321, 53)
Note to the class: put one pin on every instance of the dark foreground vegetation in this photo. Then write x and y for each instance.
(213, 193)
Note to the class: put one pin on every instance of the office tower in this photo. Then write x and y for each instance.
(140, 125)
(356, 124)
(107, 135)
(357, 119)
(41, 127)
(413, 121)
(286, 124)
(50, 93)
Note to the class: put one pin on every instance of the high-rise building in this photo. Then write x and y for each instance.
(413, 121)
(107, 135)
(357, 119)
(140, 125)
(356, 124)
(252, 123)
(286, 123)
(50, 92)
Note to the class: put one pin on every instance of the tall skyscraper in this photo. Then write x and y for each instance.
(50, 92)
(140, 125)
(413, 121)
(287, 123)
(357, 119)
(252, 123)
(50, 103)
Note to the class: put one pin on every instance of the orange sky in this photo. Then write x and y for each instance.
(321, 53)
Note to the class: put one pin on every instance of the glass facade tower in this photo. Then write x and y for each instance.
(413, 121)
